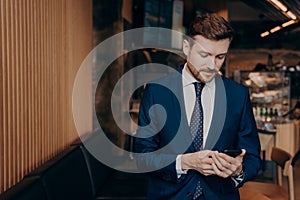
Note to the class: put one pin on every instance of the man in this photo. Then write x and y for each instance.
(134, 113)
(203, 114)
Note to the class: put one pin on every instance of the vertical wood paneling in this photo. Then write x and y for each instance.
(2, 101)
(1, 97)
(42, 44)
(7, 104)
(26, 86)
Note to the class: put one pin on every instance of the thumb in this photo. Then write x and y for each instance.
(243, 153)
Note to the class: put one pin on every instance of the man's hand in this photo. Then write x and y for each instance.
(201, 161)
(225, 166)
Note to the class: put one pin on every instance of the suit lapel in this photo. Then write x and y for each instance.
(184, 128)
(219, 114)
(184, 140)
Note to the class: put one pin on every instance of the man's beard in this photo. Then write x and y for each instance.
(197, 73)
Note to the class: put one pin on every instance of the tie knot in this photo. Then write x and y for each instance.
(198, 87)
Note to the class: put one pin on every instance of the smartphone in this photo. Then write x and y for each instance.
(232, 152)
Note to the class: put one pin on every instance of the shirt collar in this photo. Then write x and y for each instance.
(189, 79)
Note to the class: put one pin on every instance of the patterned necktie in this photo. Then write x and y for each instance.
(196, 128)
(196, 125)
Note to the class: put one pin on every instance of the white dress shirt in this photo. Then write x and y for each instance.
(207, 100)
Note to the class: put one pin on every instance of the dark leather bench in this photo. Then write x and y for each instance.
(111, 184)
(75, 174)
(66, 176)
(27, 189)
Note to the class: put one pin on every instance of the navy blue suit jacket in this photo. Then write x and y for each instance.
(164, 133)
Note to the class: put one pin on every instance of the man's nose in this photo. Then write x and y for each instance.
(212, 63)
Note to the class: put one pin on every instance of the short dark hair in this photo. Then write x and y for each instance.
(211, 26)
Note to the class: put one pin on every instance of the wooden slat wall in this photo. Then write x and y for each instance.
(42, 44)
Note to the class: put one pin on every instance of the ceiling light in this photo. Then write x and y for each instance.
(264, 34)
(279, 5)
(277, 28)
(288, 23)
(291, 15)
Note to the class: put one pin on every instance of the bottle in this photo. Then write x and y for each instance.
(271, 115)
(261, 113)
(255, 112)
(258, 118)
(276, 115)
(266, 115)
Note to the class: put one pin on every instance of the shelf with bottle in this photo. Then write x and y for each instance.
(269, 94)
(265, 117)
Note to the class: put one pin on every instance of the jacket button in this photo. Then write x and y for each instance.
(189, 194)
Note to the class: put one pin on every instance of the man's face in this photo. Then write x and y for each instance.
(205, 57)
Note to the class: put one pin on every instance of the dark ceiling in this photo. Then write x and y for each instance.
(252, 17)
(269, 11)
(249, 18)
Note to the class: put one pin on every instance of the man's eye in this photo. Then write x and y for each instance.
(203, 55)
(220, 57)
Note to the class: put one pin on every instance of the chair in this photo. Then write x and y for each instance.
(267, 139)
(272, 190)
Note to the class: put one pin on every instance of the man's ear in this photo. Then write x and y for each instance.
(186, 47)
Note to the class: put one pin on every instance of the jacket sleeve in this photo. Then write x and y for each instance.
(151, 156)
(249, 140)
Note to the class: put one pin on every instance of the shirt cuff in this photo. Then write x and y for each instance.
(237, 179)
(178, 167)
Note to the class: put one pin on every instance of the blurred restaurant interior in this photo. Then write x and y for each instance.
(51, 103)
